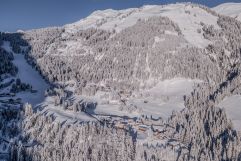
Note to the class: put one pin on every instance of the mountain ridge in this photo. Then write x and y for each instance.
(229, 9)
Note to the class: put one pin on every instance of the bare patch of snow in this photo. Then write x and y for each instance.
(76, 48)
(165, 97)
(232, 106)
(171, 33)
(6, 46)
(157, 39)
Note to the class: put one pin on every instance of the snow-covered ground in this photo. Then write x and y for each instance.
(159, 101)
(29, 75)
(186, 16)
(232, 106)
(166, 97)
(63, 115)
(163, 98)
(229, 9)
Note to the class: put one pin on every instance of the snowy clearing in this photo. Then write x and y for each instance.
(232, 106)
(159, 101)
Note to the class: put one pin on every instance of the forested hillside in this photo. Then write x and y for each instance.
(151, 83)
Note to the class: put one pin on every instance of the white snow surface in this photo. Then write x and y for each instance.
(162, 99)
(63, 115)
(232, 106)
(28, 75)
(187, 17)
(166, 96)
(229, 9)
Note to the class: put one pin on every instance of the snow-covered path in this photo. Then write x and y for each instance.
(28, 75)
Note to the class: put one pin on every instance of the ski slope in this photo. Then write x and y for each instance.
(29, 75)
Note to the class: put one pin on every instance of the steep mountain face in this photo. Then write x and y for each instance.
(137, 84)
(124, 48)
(229, 9)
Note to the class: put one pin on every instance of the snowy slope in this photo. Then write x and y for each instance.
(232, 106)
(162, 100)
(166, 97)
(229, 9)
(28, 75)
(186, 16)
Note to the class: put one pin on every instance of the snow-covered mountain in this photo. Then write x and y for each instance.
(187, 17)
(149, 83)
(229, 9)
